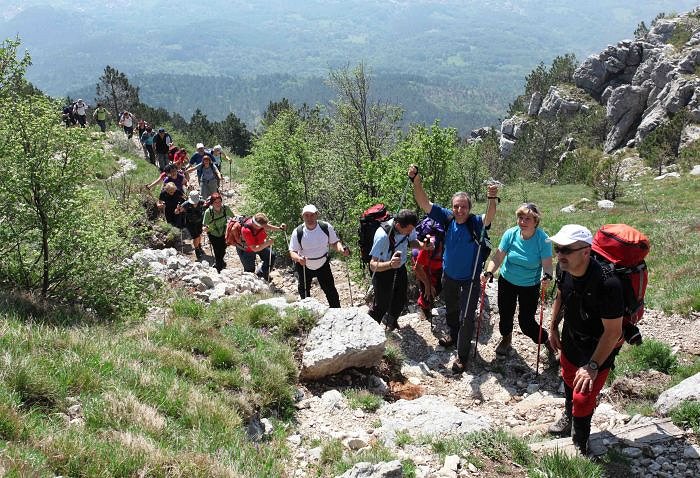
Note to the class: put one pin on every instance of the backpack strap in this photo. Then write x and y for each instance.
(300, 230)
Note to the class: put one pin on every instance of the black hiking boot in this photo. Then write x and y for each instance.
(562, 427)
(199, 253)
(581, 434)
(503, 346)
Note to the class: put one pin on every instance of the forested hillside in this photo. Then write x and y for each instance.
(466, 59)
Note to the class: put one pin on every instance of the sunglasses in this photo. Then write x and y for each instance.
(565, 251)
(530, 206)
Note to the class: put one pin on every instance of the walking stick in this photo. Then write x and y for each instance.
(539, 337)
(269, 265)
(347, 272)
(481, 313)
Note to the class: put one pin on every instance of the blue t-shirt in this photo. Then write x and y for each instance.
(380, 246)
(522, 265)
(460, 247)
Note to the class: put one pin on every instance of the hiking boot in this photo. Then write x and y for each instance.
(446, 341)
(199, 253)
(562, 426)
(551, 353)
(458, 366)
(390, 323)
(503, 346)
(581, 434)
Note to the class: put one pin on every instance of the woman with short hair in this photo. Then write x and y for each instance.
(522, 255)
(254, 233)
(209, 177)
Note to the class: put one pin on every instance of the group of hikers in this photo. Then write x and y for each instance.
(451, 262)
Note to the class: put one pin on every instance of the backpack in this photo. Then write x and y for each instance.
(428, 226)
(620, 249)
(233, 235)
(371, 220)
(300, 231)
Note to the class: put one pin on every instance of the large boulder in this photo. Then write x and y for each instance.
(662, 31)
(624, 110)
(535, 103)
(342, 338)
(428, 415)
(653, 118)
(506, 146)
(591, 75)
(688, 389)
(690, 61)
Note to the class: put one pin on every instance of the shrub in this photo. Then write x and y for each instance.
(651, 354)
(606, 178)
(687, 414)
(559, 464)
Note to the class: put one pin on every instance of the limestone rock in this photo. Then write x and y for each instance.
(343, 338)
(535, 103)
(506, 146)
(555, 105)
(624, 109)
(688, 389)
(691, 60)
(689, 135)
(568, 209)
(591, 75)
(428, 415)
(605, 204)
(695, 171)
(386, 469)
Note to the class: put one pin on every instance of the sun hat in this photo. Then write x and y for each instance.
(309, 208)
(194, 197)
(218, 146)
(571, 233)
(200, 145)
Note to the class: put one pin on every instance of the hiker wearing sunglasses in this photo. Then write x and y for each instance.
(522, 255)
(591, 305)
(462, 261)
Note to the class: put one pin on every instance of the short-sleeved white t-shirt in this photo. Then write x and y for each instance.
(314, 245)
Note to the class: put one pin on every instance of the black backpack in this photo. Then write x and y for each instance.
(371, 220)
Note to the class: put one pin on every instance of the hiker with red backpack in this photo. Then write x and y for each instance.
(591, 305)
(524, 258)
(215, 221)
(309, 248)
(428, 265)
(254, 235)
(388, 265)
(465, 252)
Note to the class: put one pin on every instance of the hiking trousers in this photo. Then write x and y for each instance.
(386, 299)
(324, 274)
(248, 261)
(456, 293)
(527, 298)
(218, 243)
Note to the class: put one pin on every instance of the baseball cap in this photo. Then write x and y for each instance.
(309, 208)
(161, 130)
(571, 233)
(200, 145)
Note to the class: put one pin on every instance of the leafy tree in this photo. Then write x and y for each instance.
(12, 81)
(115, 92)
(364, 129)
(606, 178)
(274, 108)
(59, 238)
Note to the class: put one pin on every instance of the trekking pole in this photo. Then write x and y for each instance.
(347, 272)
(304, 267)
(539, 337)
(387, 317)
(269, 265)
(469, 296)
(481, 313)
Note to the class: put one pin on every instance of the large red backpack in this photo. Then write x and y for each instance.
(233, 236)
(371, 220)
(620, 249)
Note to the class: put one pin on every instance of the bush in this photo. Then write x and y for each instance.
(606, 178)
(687, 414)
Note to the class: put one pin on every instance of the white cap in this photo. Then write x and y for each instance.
(199, 145)
(218, 146)
(309, 208)
(571, 233)
(194, 197)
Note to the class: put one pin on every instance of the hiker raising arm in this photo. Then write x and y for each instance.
(418, 191)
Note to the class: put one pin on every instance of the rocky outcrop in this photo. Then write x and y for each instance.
(555, 104)
(615, 65)
(535, 103)
(624, 110)
(343, 338)
(688, 389)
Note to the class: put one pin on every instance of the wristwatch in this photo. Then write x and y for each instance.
(593, 365)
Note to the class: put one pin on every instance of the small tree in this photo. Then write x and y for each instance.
(232, 132)
(115, 92)
(606, 178)
(660, 147)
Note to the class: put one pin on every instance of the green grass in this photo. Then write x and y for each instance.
(496, 445)
(668, 212)
(173, 397)
(393, 355)
(651, 354)
(362, 399)
(558, 465)
(687, 415)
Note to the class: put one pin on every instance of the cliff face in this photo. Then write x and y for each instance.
(641, 83)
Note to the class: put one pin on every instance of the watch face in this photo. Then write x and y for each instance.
(593, 365)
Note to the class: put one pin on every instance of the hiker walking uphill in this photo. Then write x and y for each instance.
(147, 139)
(126, 121)
(522, 255)
(428, 265)
(254, 234)
(168, 201)
(308, 248)
(215, 220)
(193, 213)
(80, 112)
(171, 175)
(100, 116)
(591, 304)
(161, 146)
(388, 264)
(209, 176)
(463, 259)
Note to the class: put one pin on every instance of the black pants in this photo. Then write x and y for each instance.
(102, 124)
(456, 293)
(325, 280)
(151, 153)
(129, 131)
(389, 293)
(526, 298)
(267, 261)
(219, 246)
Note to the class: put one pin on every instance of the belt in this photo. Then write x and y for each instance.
(315, 258)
